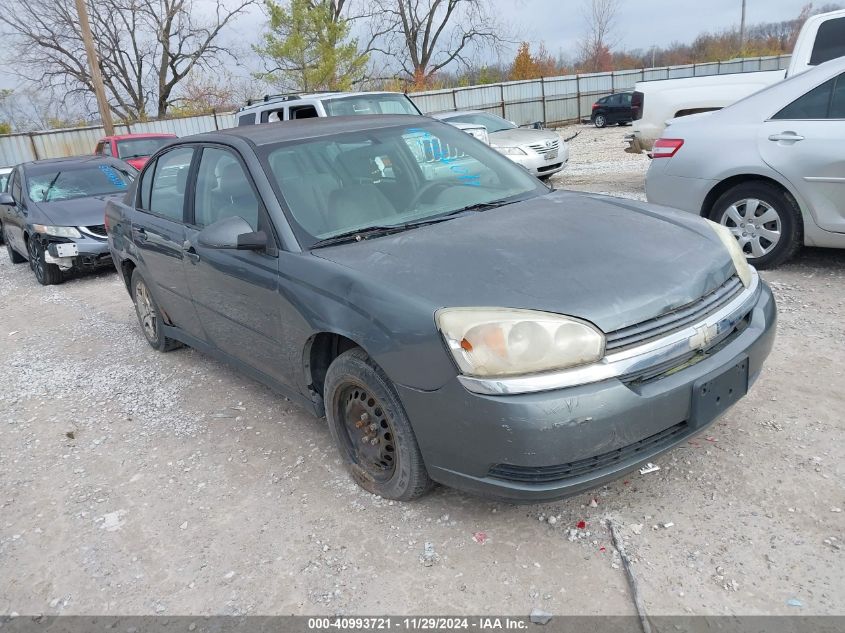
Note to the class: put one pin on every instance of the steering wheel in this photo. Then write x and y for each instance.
(432, 186)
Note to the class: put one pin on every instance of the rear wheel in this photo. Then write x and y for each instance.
(149, 315)
(600, 120)
(371, 429)
(765, 221)
(46, 274)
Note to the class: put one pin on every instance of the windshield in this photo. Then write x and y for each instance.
(389, 177)
(387, 103)
(490, 121)
(78, 182)
(140, 147)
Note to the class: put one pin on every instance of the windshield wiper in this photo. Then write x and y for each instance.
(49, 188)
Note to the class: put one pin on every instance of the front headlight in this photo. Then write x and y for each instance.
(507, 342)
(510, 151)
(743, 269)
(57, 231)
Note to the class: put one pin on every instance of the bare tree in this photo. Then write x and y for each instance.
(146, 47)
(425, 36)
(600, 16)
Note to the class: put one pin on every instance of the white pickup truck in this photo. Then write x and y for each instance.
(821, 39)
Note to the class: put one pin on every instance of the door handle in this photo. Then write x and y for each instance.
(190, 252)
(141, 235)
(786, 136)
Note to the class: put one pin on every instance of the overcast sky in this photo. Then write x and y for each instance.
(559, 23)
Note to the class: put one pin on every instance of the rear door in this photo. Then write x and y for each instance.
(235, 292)
(614, 106)
(805, 141)
(158, 234)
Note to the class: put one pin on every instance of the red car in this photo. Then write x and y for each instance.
(135, 149)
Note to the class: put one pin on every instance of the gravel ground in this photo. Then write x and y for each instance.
(133, 482)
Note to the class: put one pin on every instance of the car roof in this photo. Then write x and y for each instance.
(121, 137)
(298, 98)
(297, 129)
(46, 164)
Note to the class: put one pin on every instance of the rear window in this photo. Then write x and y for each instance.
(370, 104)
(78, 182)
(830, 42)
(140, 147)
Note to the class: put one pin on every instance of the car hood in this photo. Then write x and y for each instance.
(76, 212)
(522, 136)
(609, 261)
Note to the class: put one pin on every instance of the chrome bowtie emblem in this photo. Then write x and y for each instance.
(704, 335)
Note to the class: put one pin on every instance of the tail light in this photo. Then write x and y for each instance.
(637, 101)
(596, 106)
(666, 147)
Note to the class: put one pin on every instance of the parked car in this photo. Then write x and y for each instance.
(135, 149)
(615, 108)
(541, 152)
(474, 328)
(821, 39)
(4, 181)
(286, 107)
(53, 211)
(770, 168)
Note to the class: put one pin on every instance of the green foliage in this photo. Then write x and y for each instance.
(5, 127)
(307, 48)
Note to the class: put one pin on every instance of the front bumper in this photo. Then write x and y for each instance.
(85, 253)
(539, 165)
(548, 445)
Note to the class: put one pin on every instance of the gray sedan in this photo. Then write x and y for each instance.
(541, 152)
(52, 213)
(453, 318)
(770, 168)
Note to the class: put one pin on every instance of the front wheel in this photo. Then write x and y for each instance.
(600, 120)
(765, 221)
(46, 274)
(371, 429)
(149, 315)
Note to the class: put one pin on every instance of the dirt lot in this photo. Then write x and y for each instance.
(133, 482)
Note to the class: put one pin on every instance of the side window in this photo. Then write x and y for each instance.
(837, 103)
(626, 99)
(246, 119)
(303, 112)
(614, 100)
(813, 105)
(830, 41)
(273, 116)
(15, 187)
(170, 177)
(145, 186)
(105, 150)
(223, 190)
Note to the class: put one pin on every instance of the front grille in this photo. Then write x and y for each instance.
(561, 472)
(677, 319)
(98, 230)
(541, 148)
(549, 167)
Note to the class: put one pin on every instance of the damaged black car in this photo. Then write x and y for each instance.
(52, 213)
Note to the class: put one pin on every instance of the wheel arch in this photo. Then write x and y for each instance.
(745, 178)
(321, 349)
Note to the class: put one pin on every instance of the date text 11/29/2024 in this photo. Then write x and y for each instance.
(421, 623)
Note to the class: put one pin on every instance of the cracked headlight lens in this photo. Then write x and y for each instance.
(508, 342)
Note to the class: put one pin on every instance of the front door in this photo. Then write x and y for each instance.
(235, 292)
(158, 234)
(805, 142)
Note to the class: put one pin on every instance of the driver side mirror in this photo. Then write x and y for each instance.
(233, 233)
(7, 199)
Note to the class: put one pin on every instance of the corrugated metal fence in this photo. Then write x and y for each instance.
(551, 99)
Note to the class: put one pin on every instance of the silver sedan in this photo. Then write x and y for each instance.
(542, 152)
(771, 167)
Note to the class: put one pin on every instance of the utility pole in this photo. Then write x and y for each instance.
(742, 31)
(94, 66)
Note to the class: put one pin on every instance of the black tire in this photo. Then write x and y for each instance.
(14, 256)
(392, 467)
(771, 198)
(600, 120)
(46, 274)
(150, 322)
(2, 235)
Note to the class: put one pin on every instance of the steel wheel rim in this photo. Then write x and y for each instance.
(368, 432)
(755, 224)
(35, 262)
(146, 312)
(600, 120)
